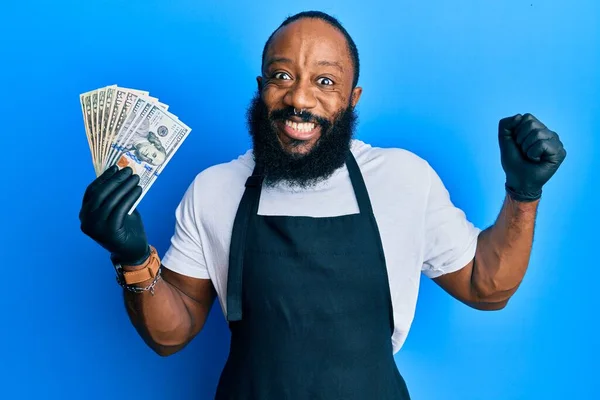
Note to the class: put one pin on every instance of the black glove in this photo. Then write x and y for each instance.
(531, 154)
(104, 216)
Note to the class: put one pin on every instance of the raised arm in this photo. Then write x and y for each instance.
(531, 154)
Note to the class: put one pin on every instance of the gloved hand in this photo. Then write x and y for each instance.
(531, 153)
(104, 216)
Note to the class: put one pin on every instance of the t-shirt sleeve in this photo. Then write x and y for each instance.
(450, 239)
(185, 255)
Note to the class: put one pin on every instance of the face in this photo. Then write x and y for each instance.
(307, 67)
(147, 152)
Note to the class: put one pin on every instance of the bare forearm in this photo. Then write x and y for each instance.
(503, 251)
(162, 319)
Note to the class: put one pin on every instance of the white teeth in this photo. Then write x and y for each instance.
(300, 127)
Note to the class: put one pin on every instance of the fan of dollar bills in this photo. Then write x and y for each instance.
(128, 127)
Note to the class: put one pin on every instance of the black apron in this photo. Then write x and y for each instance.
(317, 313)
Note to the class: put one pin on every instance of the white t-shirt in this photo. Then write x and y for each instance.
(421, 230)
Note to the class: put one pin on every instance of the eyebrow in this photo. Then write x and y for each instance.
(277, 60)
(331, 64)
(289, 61)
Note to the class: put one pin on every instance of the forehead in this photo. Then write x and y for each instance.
(310, 40)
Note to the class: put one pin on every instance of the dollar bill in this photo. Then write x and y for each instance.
(85, 124)
(104, 125)
(119, 99)
(99, 119)
(86, 100)
(150, 146)
(94, 103)
(123, 112)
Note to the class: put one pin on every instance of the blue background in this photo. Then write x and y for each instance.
(437, 77)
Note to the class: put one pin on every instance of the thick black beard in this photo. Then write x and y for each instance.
(299, 170)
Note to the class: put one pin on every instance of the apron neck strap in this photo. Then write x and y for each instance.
(254, 186)
(358, 183)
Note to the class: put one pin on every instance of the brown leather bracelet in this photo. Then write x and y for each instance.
(141, 273)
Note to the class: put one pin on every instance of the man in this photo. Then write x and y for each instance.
(314, 242)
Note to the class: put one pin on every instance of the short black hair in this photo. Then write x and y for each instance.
(331, 21)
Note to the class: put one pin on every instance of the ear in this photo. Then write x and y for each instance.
(259, 82)
(356, 92)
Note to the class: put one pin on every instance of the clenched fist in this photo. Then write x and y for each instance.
(531, 153)
(104, 217)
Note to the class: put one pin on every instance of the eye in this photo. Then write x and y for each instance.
(281, 75)
(325, 81)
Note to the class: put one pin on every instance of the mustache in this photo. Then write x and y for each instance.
(306, 116)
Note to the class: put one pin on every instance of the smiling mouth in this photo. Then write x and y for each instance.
(300, 126)
(299, 130)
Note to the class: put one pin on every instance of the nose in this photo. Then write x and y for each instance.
(300, 96)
